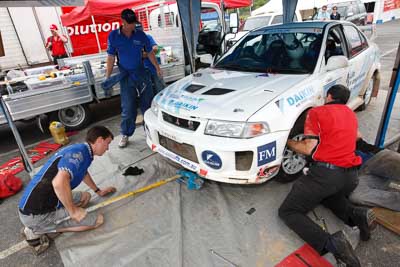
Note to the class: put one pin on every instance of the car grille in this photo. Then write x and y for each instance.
(184, 150)
(182, 123)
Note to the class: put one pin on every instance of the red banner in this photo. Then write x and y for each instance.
(390, 5)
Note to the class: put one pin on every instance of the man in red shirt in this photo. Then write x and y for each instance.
(55, 43)
(330, 138)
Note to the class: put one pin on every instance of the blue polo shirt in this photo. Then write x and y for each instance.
(39, 196)
(129, 50)
(147, 62)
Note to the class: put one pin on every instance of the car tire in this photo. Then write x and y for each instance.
(73, 118)
(292, 162)
(367, 95)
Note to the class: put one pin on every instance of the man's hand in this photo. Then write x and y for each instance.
(159, 72)
(106, 191)
(78, 214)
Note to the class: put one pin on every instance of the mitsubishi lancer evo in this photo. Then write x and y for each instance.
(230, 122)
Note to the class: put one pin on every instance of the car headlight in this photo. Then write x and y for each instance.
(236, 129)
(154, 107)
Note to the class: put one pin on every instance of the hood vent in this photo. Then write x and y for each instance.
(194, 88)
(218, 91)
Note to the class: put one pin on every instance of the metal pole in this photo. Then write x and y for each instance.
(97, 36)
(24, 156)
(390, 99)
(64, 30)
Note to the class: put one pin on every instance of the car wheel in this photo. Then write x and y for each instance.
(367, 95)
(292, 164)
(73, 118)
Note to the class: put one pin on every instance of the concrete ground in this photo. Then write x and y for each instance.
(382, 250)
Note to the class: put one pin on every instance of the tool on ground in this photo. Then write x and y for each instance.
(223, 258)
(192, 181)
(182, 175)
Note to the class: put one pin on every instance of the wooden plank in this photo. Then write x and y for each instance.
(388, 218)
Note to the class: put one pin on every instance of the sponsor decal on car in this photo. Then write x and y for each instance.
(172, 156)
(266, 153)
(211, 159)
(299, 97)
(181, 105)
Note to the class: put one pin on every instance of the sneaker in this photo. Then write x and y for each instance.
(124, 141)
(342, 250)
(365, 220)
(38, 243)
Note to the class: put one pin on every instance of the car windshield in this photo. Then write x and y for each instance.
(255, 22)
(288, 51)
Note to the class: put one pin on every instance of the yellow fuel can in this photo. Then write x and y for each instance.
(57, 130)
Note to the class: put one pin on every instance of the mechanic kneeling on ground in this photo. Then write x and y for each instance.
(48, 197)
(331, 133)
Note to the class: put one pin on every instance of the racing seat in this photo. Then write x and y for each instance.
(276, 55)
(248, 52)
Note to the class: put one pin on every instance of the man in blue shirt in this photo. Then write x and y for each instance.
(48, 198)
(126, 43)
(323, 14)
(157, 81)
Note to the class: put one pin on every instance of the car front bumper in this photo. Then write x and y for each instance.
(230, 160)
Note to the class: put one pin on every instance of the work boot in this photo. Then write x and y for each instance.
(341, 248)
(38, 243)
(124, 141)
(365, 220)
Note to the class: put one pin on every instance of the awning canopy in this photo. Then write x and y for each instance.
(110, 7)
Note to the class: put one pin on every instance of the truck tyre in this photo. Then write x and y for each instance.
(292, 162)
(73, 118)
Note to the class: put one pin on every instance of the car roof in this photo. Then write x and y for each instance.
(295, 25)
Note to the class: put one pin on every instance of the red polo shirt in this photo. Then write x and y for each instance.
(336, 126)
(57, 46)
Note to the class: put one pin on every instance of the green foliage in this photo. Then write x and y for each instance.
(245, 11)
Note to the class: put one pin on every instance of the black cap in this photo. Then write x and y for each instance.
(129, 16)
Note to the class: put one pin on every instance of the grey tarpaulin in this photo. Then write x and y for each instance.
(375, 177)
(189, 11)
(172, 226)
(289, 7)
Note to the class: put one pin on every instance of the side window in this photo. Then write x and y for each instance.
(277, 19)
(335, 44)
(354, 39)
(364, 41)
(350, 11)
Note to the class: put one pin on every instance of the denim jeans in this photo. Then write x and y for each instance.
(131, 92)
(157, 82)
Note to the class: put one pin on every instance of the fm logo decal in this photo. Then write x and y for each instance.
(266, 153)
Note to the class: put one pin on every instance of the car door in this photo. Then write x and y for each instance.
(335, 45)
(359, 59)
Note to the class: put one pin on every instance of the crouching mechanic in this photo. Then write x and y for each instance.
(49, 198)
(331, 134)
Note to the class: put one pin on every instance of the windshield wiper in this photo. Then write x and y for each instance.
(229, 66)
(287, 71)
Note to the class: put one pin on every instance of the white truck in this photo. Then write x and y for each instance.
(66, 98)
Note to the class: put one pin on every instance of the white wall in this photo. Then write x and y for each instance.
(29, 34)
(13, 51)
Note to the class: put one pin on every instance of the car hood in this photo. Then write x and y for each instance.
(224, 95)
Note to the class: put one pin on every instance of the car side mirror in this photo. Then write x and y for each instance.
(233, 22)
(206, 59)
(337, 62)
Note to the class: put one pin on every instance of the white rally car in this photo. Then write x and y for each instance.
(230, 122)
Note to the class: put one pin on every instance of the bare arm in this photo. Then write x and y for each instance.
(63, 38)
(102, 192)
(110, 65)
(303, 147)
(62, 188)
(153, 60)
